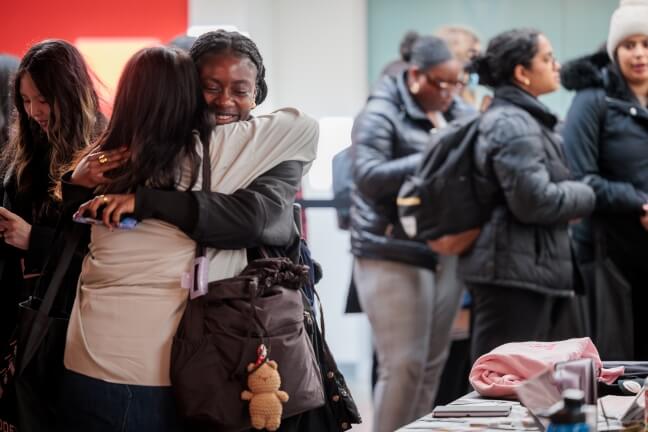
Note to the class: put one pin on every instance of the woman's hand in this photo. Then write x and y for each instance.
(644, 218)
(14, 230)
(114, 207)
(90, 171)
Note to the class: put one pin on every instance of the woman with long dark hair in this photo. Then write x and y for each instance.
(606, 142)
(57, 116)
(521, 264)
(130, 297)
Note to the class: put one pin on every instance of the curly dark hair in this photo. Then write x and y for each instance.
(505, 51)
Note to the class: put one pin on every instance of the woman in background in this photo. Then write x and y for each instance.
(409, 294)
(606, 142)
(521, 264)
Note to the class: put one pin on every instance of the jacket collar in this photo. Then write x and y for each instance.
(409, 104)
(514, 95)
(597, 71)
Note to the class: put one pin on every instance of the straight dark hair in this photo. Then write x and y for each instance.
(158, 111)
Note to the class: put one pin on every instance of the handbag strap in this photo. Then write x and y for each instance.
(206, 184)
(62, 266)
(37, 331)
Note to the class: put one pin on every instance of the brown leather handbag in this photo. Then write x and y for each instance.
(219, 335)
(220, 332)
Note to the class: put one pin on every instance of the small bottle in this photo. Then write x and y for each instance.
(571, 416)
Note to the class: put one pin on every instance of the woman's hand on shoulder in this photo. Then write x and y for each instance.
(90, 171)
(112, 207)
(15, 231)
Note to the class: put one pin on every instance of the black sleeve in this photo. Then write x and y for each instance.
(529, 192)
(41, 241)
(73, 195)
(259, 214)
(377, 174)
(581, 134)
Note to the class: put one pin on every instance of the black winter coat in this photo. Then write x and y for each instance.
(261, 214)
(606, 142)
(526, 242)
(388, 139)
(14, 262)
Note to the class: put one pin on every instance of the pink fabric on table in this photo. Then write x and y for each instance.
(497, 373)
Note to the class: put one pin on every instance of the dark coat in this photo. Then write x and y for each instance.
(388, 138)
(606, 142)
(526, 242)
(261, 214)
(14, 262)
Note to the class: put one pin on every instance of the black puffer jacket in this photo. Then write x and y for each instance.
(606, 141)
(526, 242)
(388, 137)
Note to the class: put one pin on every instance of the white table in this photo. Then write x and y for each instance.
(518, 420)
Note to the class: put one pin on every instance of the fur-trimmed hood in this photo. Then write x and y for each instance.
(595, 71)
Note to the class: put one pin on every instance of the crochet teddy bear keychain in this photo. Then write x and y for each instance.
(265, 397)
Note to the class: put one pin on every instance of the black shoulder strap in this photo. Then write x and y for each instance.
(40, 324)
(206, 183)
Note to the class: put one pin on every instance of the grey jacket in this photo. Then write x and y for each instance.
(526, 242)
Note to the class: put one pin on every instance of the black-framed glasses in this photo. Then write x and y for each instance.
(448, 85)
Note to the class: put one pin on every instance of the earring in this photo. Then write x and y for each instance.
(415, 87)
(526, 82)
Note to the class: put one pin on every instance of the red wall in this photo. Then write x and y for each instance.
(27, 21)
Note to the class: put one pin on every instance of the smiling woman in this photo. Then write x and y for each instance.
(231, 73)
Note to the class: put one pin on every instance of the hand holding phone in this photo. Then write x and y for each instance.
(109, 209)
(124, 223)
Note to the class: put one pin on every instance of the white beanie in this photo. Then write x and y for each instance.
(630, 18)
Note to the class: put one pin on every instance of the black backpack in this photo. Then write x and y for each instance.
(342, 185)
(446, 196)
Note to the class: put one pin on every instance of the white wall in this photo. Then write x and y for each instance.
(316, 57)
(315, 51)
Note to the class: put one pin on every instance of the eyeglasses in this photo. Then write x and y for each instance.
(448, 86)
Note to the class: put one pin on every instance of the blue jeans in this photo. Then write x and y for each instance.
(89, 404)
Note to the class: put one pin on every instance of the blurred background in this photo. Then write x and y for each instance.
(321, 56)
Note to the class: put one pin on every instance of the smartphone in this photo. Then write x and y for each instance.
(124, 223)
(472, 411)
